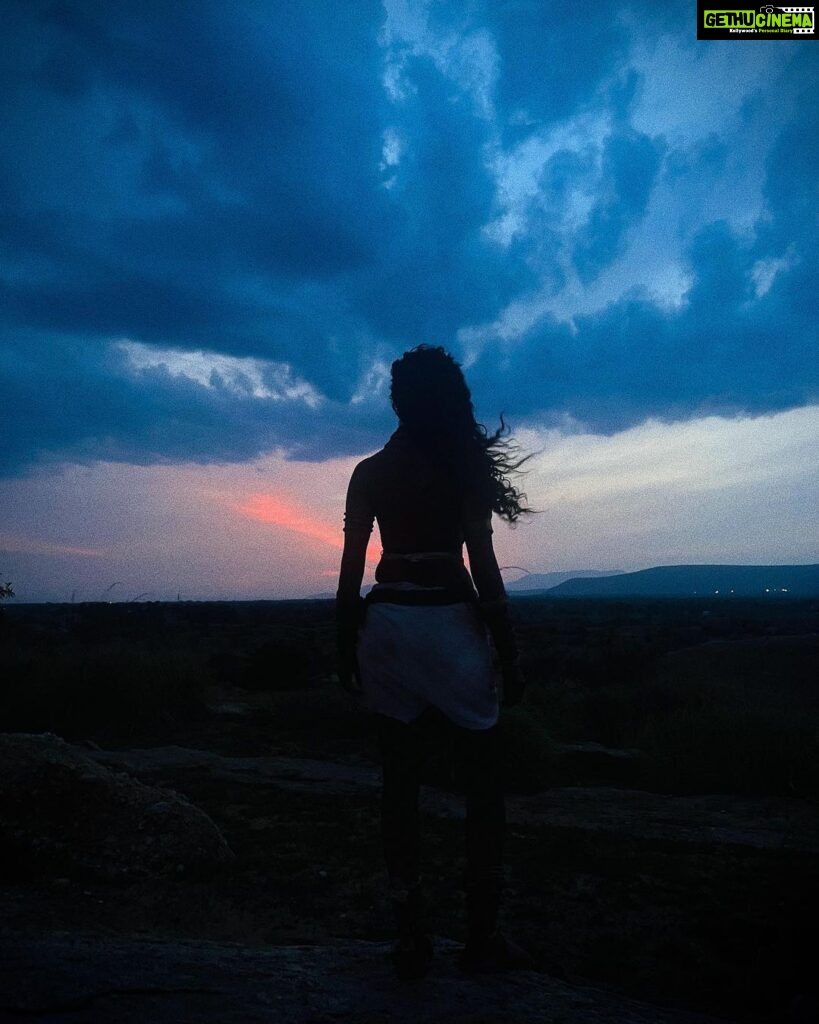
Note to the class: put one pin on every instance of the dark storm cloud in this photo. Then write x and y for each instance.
(86, 404)
(195, 176)
(199, 176)
(437, 272)
(726, 351)
(744, 338)
(555, 56)
(630, 165)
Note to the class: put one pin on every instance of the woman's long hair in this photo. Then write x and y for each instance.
(432, 400)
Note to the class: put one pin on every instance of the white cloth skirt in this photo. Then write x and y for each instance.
(411, 656)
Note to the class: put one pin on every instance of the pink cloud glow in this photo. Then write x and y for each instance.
(273, 510)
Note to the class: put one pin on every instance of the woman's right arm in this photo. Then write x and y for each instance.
(358, 524)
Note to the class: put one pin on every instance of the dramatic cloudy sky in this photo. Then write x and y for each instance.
(220, 222)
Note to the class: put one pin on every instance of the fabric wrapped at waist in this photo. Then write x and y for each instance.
(443, 572)
(389, 594)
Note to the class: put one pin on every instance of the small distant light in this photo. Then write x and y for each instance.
(767, 590)
(784, 590)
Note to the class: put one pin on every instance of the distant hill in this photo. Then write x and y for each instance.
(667, 581)
(548, 580)
(698, 581)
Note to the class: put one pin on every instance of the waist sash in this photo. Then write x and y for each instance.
(422, 577)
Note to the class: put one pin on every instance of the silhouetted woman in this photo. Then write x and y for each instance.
(423, 641)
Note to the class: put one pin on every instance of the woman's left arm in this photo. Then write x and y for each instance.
(494, 604)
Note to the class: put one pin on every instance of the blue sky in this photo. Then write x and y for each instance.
(220, 223)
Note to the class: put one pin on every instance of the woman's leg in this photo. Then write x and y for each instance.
(400, 829)
(400, 761)
(487, 949)
(480, 765)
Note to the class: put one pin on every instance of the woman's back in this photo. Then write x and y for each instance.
(419, 506)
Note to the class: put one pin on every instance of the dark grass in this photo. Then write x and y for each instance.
(109, 689)
(720, 696)
(736, 716)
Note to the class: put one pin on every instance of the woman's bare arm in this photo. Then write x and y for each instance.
(482, 561)
(494, 605)
(358, 524)
(353, 560)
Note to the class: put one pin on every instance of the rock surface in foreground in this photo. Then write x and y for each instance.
(65, 978)
(775, 823)
(63, 813)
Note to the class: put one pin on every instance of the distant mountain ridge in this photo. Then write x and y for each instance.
(549, 580)
(698, 581)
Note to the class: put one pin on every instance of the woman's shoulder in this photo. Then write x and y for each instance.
(369, 464)
(371, 468)
(396, 449)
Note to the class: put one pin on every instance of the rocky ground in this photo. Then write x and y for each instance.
(761, 823)
(66, 978)
(186, 881)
